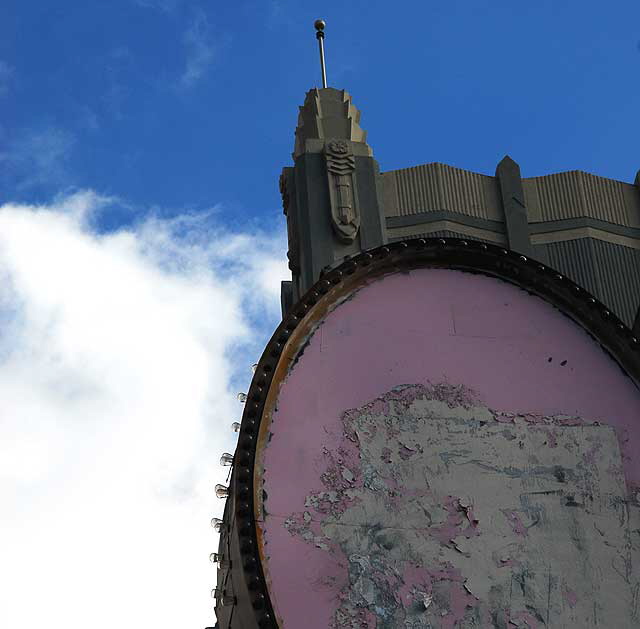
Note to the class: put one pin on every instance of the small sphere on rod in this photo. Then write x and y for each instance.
(319, 26)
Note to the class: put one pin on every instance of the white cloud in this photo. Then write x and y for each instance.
(118, 355)
(199, 49)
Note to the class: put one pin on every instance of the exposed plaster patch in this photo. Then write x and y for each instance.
(448, 514)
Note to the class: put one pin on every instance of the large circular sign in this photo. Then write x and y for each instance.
(444, 442)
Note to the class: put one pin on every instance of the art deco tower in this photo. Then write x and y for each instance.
(444, 431)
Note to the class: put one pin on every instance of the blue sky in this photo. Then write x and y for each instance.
(142, 241)
(175, 103)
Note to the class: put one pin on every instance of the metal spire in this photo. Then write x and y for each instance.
(320, 24)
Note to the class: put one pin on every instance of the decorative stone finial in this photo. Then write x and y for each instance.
(327, 114)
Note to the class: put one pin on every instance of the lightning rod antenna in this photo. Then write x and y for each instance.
(319, 25)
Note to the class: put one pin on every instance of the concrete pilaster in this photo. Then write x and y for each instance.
(513, 203)
(328, 119)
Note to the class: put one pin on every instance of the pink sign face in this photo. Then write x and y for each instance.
(450, 451)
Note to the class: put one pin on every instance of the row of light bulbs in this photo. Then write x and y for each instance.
(226, 460)
(222, 491)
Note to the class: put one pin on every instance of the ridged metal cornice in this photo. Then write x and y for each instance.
(543, 227)
(576, 194)
(441, 187)
(555, 197)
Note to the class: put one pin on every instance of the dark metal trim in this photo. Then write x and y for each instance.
(433, 216)
(467, 255)
(540, 227)
(581, 222)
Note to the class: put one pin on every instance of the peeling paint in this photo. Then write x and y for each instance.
(510, 500)
(419, 557)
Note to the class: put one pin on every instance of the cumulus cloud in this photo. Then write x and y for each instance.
(120, 356)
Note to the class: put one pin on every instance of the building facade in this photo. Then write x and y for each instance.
(587, 227)
(444, 430)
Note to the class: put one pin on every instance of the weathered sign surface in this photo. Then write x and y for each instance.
(450, 451)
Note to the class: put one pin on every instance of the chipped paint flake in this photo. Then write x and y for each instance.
(445, 513)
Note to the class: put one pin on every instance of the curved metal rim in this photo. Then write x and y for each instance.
(467, 255)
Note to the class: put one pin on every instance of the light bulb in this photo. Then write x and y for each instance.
(254, 367)
(242, 397)
(216, 523)
(235, 426)
(226, 460)
(222, 491)
(214, 557)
